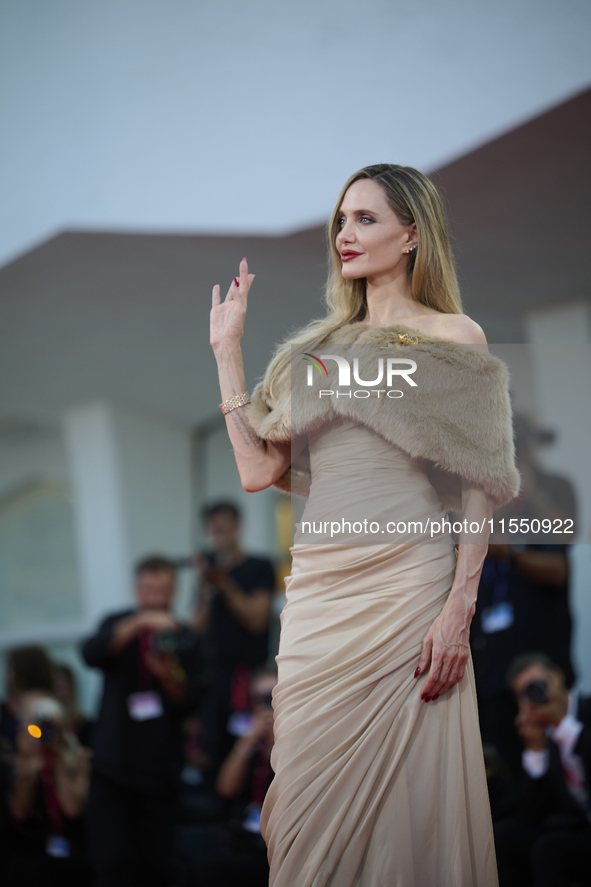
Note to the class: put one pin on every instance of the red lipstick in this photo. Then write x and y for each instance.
(349, 254)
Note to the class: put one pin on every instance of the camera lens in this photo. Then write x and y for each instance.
(537, 692)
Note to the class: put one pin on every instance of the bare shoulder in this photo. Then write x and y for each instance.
(460, 328)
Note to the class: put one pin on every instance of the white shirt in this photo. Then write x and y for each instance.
(565, 735)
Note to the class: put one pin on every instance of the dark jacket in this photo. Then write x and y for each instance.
(547, 801)
(144, 755)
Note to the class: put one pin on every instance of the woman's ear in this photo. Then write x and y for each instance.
(411, 237)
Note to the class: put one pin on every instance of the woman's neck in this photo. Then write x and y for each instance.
(391, 301)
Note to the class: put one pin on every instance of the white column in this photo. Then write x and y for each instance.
(562, 373)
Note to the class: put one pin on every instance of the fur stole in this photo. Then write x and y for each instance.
(456, 416)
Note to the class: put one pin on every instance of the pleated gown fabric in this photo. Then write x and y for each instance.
(373, 787)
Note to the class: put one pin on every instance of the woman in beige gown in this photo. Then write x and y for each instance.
(374, 786)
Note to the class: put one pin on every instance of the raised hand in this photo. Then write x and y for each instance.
(227, 317)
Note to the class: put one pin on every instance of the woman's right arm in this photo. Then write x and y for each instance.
(260, 462)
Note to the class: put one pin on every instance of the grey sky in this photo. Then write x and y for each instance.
(232, 116)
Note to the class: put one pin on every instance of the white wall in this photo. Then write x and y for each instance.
(38, 531)
(131, 483)
(27, 456)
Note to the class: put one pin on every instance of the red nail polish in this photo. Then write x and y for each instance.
(428, 698)
(418, 671)
(236, 281)
(436, 696)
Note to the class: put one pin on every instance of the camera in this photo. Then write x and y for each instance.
(45, 721)
(49, 732)
(166, 642)
(537, 692)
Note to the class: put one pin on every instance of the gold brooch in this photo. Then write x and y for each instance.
(407, 339)
(404, 338)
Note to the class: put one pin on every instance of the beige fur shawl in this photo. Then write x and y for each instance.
(457, 416)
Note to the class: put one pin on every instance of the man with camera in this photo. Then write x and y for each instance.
(523, 598)
(223, 854)
(152, 667)
(233, 615)
(548, 842)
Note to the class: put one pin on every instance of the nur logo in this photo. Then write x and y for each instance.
(394, 366)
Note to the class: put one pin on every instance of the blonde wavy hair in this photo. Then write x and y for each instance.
(430, 268)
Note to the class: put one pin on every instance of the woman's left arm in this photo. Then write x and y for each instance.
(447, 643)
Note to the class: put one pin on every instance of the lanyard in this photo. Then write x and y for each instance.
(145, 642)
(51, 802)
(239, 693)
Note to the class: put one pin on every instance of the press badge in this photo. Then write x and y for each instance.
(252, 821)
(239, 723)
(497, 618)
(58, 846)
(144, 706)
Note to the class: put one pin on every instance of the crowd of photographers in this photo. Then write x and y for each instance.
(166, 786)
(535, 725)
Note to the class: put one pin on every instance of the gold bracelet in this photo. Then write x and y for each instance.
(239, 400)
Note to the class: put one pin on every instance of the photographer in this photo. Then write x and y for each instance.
(246, 772)
(548, 842)
(222, 855)
(152, 666)
(50, 779)
(233, 614)
(28, 670)
(523, 598)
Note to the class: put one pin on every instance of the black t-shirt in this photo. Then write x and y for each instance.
(141, 754)
(230, 643)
